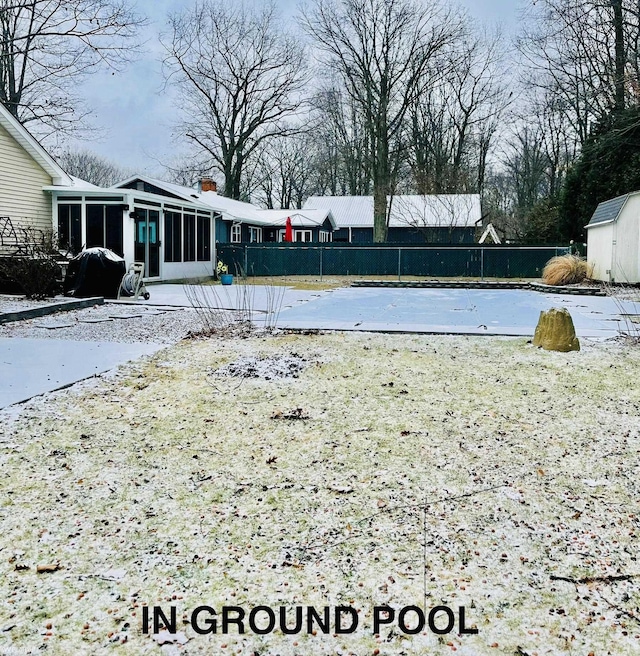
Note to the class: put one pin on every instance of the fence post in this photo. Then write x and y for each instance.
(246, 262)
(482, 263)
(321, 249)
(399, 256)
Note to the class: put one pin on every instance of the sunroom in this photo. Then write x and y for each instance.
(174, 237)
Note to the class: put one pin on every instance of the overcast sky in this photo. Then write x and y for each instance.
(134, 112)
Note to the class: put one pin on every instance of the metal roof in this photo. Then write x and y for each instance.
(444, 210)
(236, 210)
(309, 218)
(608, 211)
(186, 193)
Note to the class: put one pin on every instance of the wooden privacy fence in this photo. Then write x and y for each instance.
(472, 261)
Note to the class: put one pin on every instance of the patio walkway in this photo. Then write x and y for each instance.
(29, 367)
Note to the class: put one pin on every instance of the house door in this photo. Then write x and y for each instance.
(147, 243)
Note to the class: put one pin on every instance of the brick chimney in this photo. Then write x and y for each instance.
(207, 184)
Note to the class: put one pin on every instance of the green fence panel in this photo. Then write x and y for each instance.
(439, 262)
(290, 259)
(232, 256)
(359, 261)
(473, 261)
(517, 262)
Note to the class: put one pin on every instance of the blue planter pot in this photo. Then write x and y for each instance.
(226, 279)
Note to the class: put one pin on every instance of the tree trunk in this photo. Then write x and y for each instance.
(379, 212)
(381, 174)
(618, 25)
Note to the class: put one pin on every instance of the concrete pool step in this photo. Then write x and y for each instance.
(479, 284)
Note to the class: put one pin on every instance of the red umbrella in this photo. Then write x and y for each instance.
(288, 232)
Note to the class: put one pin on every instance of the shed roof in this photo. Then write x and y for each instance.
(407, 211)
(608, 211)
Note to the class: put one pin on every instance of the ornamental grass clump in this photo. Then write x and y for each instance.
(566, 270)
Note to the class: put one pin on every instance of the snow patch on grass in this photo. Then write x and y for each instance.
(426, 470)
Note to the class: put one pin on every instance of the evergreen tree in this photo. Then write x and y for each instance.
(608, 166)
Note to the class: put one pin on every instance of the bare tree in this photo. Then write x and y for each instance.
(585, 53)
(380, 50)
(240, 76)
(285, 172)
(560, 143)
(527, 162)
(437, 217)
(187, 169)
(88, 166)
(47, 46)
(342, 141)
(452, 126)
(527, 175)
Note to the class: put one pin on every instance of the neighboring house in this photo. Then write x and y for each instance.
(242, 223)
(441, 219)
(270, 226)
(26, 168)
(613, 240)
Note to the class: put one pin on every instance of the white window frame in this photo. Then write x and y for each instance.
(236, 233)
(324, 236)
(301, 236)
(257, 233)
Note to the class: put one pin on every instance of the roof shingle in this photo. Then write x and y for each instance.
(608, 211)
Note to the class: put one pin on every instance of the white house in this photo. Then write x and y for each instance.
(613, 239)
(26, 168)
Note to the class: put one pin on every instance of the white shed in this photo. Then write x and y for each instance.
(613, 239)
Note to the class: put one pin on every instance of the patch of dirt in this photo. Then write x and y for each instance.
(266, 368)
(296, 413)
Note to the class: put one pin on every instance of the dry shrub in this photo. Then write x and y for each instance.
(32, 268)
(566, 270)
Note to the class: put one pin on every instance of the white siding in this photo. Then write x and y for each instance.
(184, 270)
(599, 245)
(21, 182)
(626, 236)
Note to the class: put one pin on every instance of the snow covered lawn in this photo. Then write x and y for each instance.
(388, 470)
